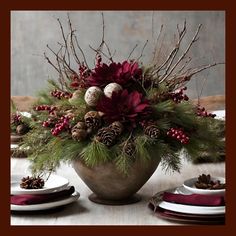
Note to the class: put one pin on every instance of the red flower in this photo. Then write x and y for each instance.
(124, 107)
(115, 72)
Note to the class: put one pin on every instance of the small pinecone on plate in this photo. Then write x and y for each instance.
(152, 131)
(106, 136)
(32, 182)
(22, 129)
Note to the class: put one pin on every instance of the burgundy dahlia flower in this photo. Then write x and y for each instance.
(120, 73)
(125, 107)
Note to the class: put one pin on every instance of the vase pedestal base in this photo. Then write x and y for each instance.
(133, 199)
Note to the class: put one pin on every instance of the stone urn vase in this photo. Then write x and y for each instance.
(110, 186)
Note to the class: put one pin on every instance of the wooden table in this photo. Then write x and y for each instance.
(85, 212)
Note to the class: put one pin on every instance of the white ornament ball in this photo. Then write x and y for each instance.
(92, 95)
(110, 88)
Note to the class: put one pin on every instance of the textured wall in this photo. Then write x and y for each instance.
(31, 31)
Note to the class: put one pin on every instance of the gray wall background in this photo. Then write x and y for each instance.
(31, 31)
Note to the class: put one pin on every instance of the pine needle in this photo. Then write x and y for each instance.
(95, 153)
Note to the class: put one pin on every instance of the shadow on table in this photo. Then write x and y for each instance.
(71, 209)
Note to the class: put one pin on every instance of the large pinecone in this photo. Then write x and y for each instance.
(32, 182)
(92, 120)
(79, 132)
(117, 127)
(152, 131)
(106, 136)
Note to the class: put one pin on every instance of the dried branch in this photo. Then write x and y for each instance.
(109, 52)
(144, 46)
(181, 80)
(103, 34)
(194, 39)
(65, 41)
(132, 51)
(155, 48)
(174, 51)
(200, 69)
(77, 44)
(61, 60)
(101, 52)
(49, 61)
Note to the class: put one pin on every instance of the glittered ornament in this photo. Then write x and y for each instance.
(110, 88)
(92, 96)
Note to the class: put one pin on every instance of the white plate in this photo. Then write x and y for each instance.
(14, 146)
(26, 114)
(46, 206)
(189, 185)
(54, 183)
(189, 209)
(220, 114)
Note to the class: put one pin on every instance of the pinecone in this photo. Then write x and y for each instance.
(117, 127)
(92, 120)
(22, 129)
(106, 136)
(152, 131)
(129, 149)
(79, 132)
(32, 182)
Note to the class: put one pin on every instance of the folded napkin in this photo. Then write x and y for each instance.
(194, 199)
(29, 199)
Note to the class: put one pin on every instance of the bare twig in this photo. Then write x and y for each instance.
(71, 41)
(186, 63)
(101, 52)
(194, 39)
(200, 69)
(132, 51)
(49, 61)
(174, 51)
(109, 52)
(169, 60)
(144, 46)
(65, 41)
(103, 34)
(61, 60)
(155, 48)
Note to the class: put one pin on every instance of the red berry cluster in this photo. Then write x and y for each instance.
(15, 119)
(178, 134)
(50, 122)
(201, 111)
(98, 60)
(179, 96)
(48, 108)
(61, 125)
(59, 94)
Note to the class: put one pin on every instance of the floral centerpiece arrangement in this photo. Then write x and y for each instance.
(119, 113)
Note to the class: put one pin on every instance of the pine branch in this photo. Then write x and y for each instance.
(95, 153)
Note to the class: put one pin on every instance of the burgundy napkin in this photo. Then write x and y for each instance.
(194, 199)
(29, 199)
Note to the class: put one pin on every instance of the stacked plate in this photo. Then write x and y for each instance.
(54, 184)
(186, 213)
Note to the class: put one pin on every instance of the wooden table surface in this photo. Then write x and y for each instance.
(85, 212)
